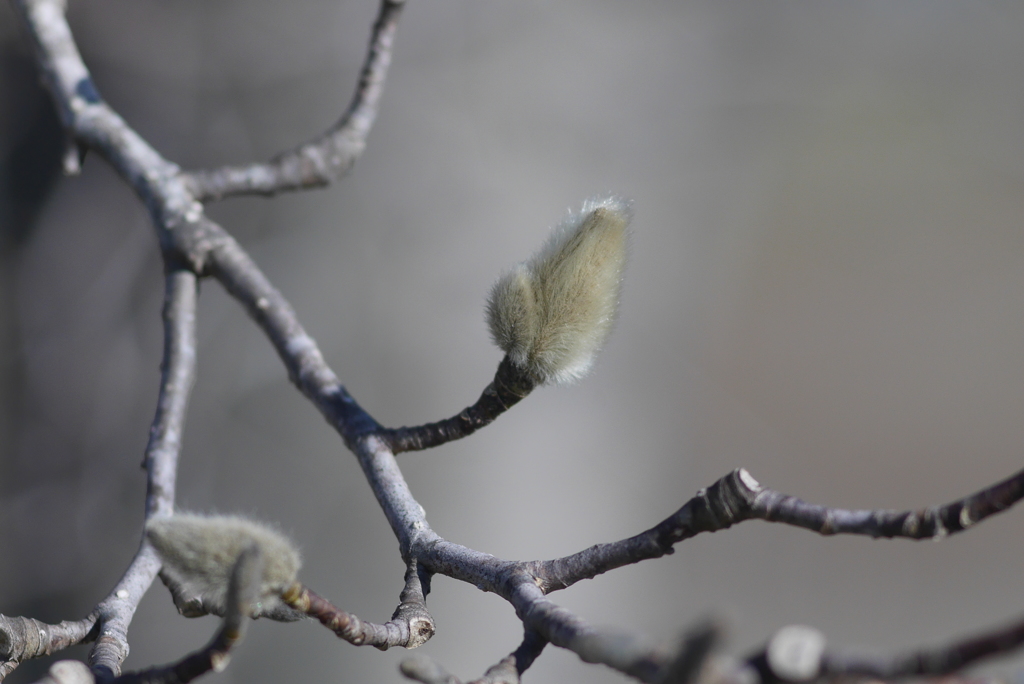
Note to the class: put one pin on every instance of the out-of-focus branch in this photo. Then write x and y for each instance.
(320, 161)
(798, 653)
(738, 497)
(509, 387)
(622, 650)
(409, 627)
(507, 671)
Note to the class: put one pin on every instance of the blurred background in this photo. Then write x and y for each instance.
(826, 287)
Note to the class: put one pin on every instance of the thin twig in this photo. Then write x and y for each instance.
(928, 662)
(510, 668)
(507, 671)
(510, 386)
(799, 653)
(178, 374)
(738, 497)
(409, 627)
(323, 160)
(193, 244)
(108, 623)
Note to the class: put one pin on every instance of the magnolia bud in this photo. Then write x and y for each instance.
(199, 553)
(551, 313)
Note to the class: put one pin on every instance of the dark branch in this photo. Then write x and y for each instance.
(320, 161)
(622, 650)
(509, 387)
(799, 654)
(243, 590)
(738, 497)
(929, 662)
(410, 625)
(691, 653)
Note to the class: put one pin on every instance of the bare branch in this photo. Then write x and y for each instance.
(427, 671)
(622, 650)
(192, 245)
(24, 638)
(243, 591)
(91, 122)
(242, 278)
(178, 374)
(934, 522)
(506, 671)
(798, 653)
(929, 662)
(410, 625)
(510, 385)
(108, 623)
(738, 497)
(320, 161)
(691, 653)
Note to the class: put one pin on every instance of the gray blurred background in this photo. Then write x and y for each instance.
(826, 286)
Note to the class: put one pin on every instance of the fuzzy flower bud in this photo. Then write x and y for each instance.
(552, 313)
(199, 553)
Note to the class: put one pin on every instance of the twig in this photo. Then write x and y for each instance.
(738, 497)
(798, 654)
(692, 651)
(510, 668)
(178, 374)
(194, 245)
(507, 671)
(409, 627)
(928, 662)
(108, 623)
(510, 386)
(320, 161)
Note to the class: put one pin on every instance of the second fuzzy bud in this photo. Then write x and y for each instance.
(552, 313)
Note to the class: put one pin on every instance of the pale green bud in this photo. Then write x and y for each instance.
(552, 313)
(199, 553)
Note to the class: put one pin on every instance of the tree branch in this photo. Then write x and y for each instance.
(410, 625)
(510, 386)
(108, 623)
(193, 245)
(798, 653)
(178, 374)
(507, 671)
(324, 159)
(738, 497)
(243, 590)
(23, 638)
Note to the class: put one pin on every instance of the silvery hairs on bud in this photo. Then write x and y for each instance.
(199, 553)
(552, 313)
